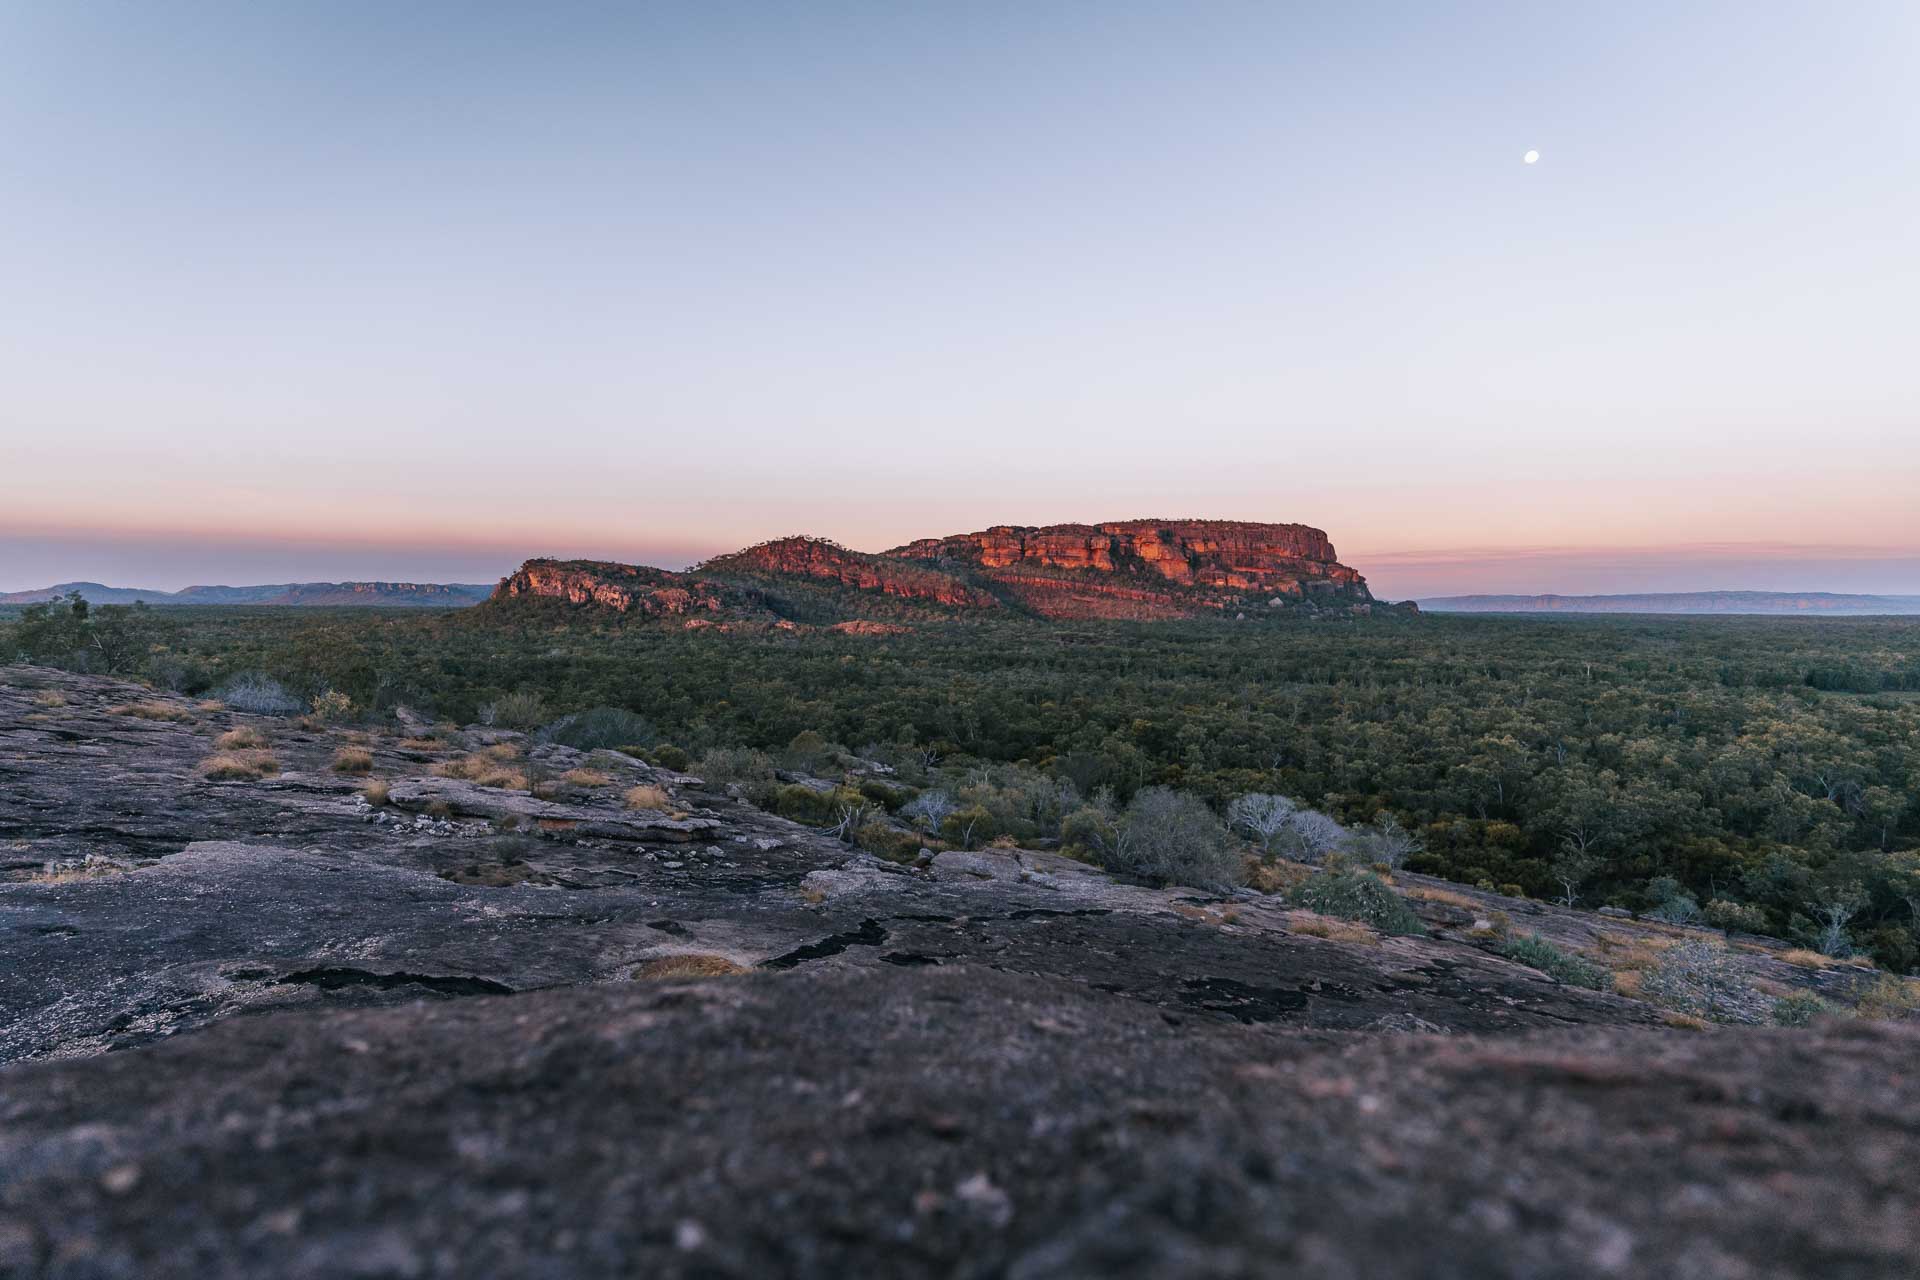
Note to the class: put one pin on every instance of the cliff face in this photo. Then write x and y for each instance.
(1136, 569)
(625, 587)
(1150, 568)
(824, 561)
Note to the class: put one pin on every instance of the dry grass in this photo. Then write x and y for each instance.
(1314, 925)
(1808, 959)
(352, 760)
(239, 766)
(813, 897)
(1275, 877)
(1444, 896)
(50, 698)
(245, 738)
(585, 778)
(210, 705)
(648, 796)
(375, 792)
(1890, 999)
(1627, 982)
(420, 744)
(483, 769)
(688, 966)
(153, 710)
(501, 751)
(1685, 1021)
(91, 867)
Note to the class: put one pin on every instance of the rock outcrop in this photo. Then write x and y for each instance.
(1151, 568)
(822, 560)
(1136, 569)
(624, 587)
(267, 1028)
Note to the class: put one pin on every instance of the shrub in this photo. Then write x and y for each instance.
(648, 796)
(332, 706)
(1172, 837)
(259, 695)
(1387, 843)
(602, 728)
(353, 760)
(1261, 817)
(750, 771)
(1531, 949)
(671, 757)
(244, 738)
(1736, 917)
(888, 842)
(1705, 980)
(1798, 1008)
(929, 809)
(1358, 895)
(375, 792)
(522, 709)
(1890, 999)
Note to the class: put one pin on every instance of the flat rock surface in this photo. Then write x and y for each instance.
(268, 1028)
(957, 1121)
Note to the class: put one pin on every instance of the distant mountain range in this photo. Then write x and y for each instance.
(1764, 602)
(413, 595)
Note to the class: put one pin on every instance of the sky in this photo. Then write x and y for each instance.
(364, 290)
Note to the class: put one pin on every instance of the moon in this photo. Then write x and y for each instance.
(1532, 157)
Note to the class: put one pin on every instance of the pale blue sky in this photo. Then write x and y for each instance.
(411, 290)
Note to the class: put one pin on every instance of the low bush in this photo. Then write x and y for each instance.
(1167, 836)
(1361, 896)
(1798, 1008)
(602, 728)
(259, 695)
(1704, 980)
(1533, 950)
(750, 771)
(332, 706)
(1890, 999)
(670, 757)
(523, 709)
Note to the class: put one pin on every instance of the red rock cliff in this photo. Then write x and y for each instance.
(826, 561)
(1215, 555)
(625, 587)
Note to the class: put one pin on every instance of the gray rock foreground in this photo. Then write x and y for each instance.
(292, 1036)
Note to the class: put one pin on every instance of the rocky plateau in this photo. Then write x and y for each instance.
(1134, 569)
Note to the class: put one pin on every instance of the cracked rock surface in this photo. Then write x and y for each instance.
(271, 1029)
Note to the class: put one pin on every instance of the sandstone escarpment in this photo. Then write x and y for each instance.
(827, 561)
(625, 587)
(1143, 570)
(1205, 563)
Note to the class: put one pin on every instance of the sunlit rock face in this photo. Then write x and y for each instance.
(827, 561)
(1126, 568)
(625, 587)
